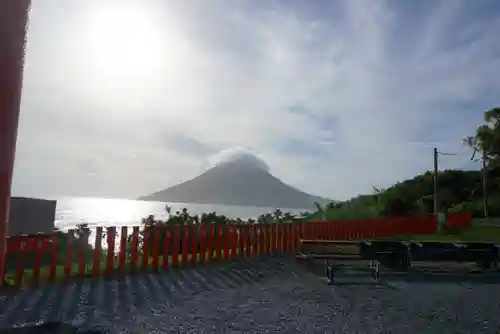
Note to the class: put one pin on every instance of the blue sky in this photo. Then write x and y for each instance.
(122, 98)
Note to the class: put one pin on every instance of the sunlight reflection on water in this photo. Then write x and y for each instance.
(121, 212)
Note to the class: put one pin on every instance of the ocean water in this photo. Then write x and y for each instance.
(95, 212)
(71, 211)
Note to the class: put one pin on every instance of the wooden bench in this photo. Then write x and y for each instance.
(336, 253)
(483, 253)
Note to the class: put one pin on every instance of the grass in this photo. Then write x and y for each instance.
(473, 234)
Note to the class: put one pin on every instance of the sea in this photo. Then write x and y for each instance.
(71, 211)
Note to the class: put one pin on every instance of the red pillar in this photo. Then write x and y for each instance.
(13, 24)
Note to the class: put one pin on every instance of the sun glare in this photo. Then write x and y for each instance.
(123, 43)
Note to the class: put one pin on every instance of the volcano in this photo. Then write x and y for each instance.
(244, 181)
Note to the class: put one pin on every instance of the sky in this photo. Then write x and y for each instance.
(124, 98)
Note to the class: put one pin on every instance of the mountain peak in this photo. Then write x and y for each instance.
(240, 178)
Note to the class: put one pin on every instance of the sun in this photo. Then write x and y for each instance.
(123, 43)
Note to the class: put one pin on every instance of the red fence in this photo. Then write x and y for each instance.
(459, 220)
(46, 258)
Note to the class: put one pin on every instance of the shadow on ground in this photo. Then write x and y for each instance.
(85, 302)
(271, 294)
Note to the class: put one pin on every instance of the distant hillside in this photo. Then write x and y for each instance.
(457, 190)
(237, 183)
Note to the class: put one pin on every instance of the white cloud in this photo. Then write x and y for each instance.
(238, 153)
(332, 103)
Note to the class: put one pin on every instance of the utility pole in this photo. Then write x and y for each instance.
(435, 181)
(484, 176)
(485, 190)
(436, 198)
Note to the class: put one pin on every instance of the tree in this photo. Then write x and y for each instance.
(487, 137)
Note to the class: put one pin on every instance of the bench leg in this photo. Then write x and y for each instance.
(376, 271)
(330, 273)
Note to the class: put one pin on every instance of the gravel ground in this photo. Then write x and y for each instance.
(268, 296)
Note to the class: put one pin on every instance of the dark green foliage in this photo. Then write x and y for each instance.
(458, 191)
(182, 219)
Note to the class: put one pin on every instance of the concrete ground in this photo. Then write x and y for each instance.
(263, 296)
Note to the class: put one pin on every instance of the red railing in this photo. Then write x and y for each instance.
(47, 258)
(459, 220)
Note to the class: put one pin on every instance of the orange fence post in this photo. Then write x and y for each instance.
(135, 245)
(291, 237)
(38, 259)
(272, 237)
(284, 234)
(248, 241)
(194, 244)
(17, 246)
(146, 239)
(176, 244)
(69, 254)
(184, 245)
(279, 234)
(166, 248)
(261, 239)
(275, 238)
(281, 244)
(211, 233)
(53, 257)
(227, 240)
(241, 241)
(123, 250)
(234, 241)
(96, 264)
(82, 258)
(256, 241)
(298, 234)
(246, 228)
(288, 238)
(110, 255)
(155, 253)
(267, 238)
(218, 241)
(203, 242)
(280, 227)
(253, 240)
